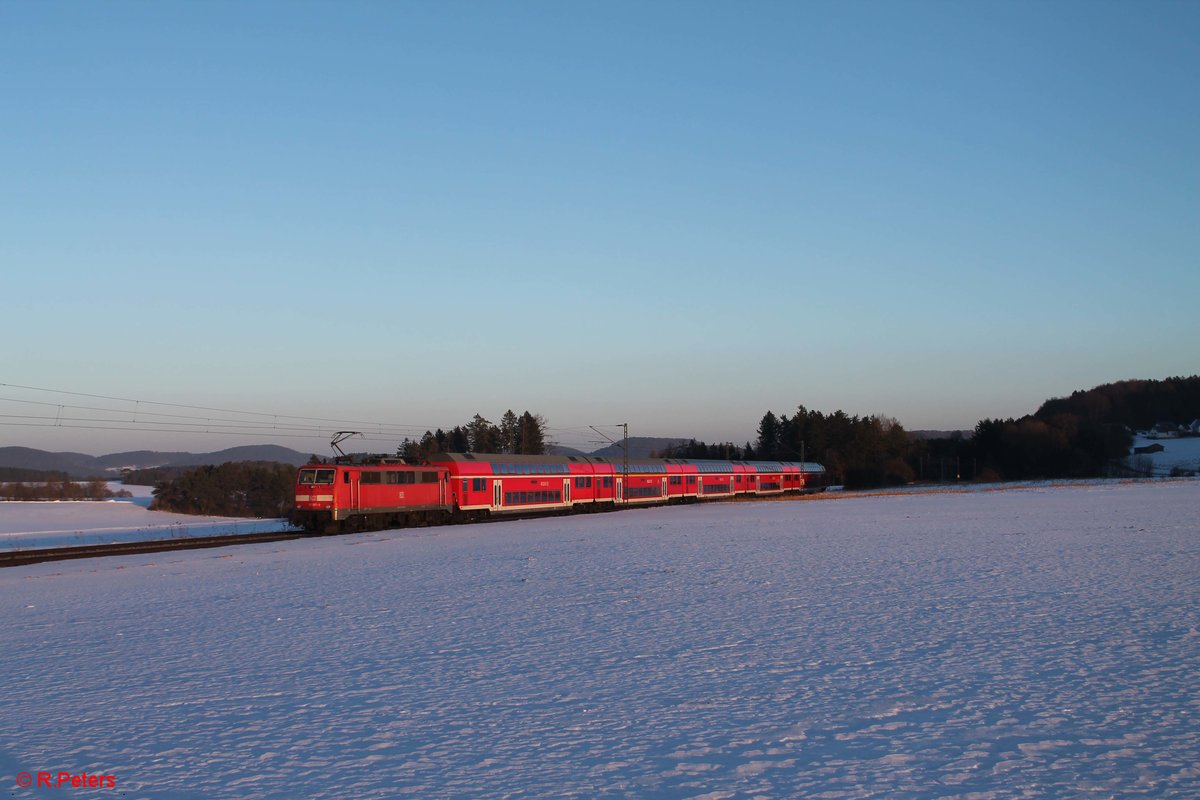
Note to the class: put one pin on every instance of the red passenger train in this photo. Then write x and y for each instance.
(382, 492)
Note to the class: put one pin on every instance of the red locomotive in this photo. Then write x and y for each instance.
(382, 493)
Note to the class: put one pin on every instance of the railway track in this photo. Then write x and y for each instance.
(22, 557)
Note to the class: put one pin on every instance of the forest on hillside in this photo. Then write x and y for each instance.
(1081, 436)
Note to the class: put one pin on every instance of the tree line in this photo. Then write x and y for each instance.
(151, 476)
(61, 489)
(1084, 435)
(523, 435)
(233, 489)
(857, 452)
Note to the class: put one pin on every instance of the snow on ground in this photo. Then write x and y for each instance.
(31, 525)
(1042, 642)
(1182, 453)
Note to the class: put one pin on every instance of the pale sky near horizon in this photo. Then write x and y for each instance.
(673, 214)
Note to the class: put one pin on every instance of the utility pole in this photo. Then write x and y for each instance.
(624, 449)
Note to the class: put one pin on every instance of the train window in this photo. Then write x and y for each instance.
(324, 476)
(589, 482)
(372, 477)
(479, 484)
(464, 486)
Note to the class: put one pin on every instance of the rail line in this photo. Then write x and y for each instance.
(17, 558)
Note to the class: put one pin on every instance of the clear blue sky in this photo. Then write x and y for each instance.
(678, 215)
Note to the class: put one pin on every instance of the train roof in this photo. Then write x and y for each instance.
(505, 458)
(658, 464)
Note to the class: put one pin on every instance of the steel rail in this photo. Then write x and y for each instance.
(17, 558)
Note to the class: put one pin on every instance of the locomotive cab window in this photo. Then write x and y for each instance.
(324, 476)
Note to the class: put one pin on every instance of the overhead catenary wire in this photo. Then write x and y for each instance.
(139, 415)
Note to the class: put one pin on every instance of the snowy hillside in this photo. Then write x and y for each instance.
(1030, 643)
(1177, 453)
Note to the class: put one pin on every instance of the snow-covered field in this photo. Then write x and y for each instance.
(32, 525)
(1040, 642)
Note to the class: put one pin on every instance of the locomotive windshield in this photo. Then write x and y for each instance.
(316, 476)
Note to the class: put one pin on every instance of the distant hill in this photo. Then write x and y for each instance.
(939, 434)
(1136, 404)
(561, 450)
(30, 475)
(81, 465)
(639, 447)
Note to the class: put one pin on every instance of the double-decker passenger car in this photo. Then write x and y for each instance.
(384, 492)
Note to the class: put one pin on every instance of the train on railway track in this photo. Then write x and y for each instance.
(378, 492)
